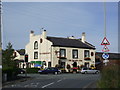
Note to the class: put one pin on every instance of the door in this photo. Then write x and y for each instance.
(87, 64)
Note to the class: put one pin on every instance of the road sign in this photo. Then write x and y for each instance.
(105, 61)
(105, 55)
(105, 49)
(105, 41)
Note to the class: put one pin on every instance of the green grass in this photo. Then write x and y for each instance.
(110, 77)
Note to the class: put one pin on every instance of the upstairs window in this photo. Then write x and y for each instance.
(35, 45)
(86, 53)
(75, 54)
(62, 53)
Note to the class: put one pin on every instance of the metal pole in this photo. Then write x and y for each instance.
(0, 45)
(105, 18)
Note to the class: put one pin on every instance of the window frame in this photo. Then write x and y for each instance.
(64, 52)
(36, 47)
(35, 56)
(73, 56)
(85, 56)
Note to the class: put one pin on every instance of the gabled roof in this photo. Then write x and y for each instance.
(66, 42)
(21, 52)
(112, 56)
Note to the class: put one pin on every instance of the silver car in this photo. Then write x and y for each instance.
(89, 70)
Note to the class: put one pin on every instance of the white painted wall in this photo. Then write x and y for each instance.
(50, 56)
(18, 56)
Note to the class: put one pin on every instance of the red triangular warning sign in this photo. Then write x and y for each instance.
(105, 41)
(105, 49)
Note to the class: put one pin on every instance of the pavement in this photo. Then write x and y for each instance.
(56, 81)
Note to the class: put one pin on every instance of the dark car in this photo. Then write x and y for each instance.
(21, 71)
(52, 70)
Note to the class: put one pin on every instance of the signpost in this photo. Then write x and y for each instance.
(105, 55)
(105, 41)
(105, 49)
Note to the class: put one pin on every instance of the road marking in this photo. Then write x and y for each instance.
(47, 85)
(59, 80)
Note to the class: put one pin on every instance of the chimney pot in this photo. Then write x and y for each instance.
(44, 34)
(83, 37)
(31, 31)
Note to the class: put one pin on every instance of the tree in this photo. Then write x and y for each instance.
(9, 65)
(7, 56)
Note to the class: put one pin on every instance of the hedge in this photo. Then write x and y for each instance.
(11, 72)
(32, 70)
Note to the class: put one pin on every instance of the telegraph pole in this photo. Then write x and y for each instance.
(0, 45)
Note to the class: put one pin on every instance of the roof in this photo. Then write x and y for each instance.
(21, 52)
(112, 56)
(66, 42)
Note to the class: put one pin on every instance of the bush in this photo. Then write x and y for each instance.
(32, 70)
(110, 77)
(11, 72)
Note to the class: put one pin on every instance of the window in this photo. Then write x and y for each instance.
(35, 55)
(36, 45)
(62, 53)
(86, 53)
(49, 64)
(75, 53)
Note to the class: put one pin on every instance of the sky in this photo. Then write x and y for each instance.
(60, 19)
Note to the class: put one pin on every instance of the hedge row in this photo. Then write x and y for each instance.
(11, 72)
(32, 70)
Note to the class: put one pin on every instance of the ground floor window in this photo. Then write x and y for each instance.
(61, 64)
(35, 55)
(49, 64)
(87, 64)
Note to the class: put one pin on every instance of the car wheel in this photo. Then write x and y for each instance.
(96, 72)
(85, 72)
(56, 73)
(59, 72)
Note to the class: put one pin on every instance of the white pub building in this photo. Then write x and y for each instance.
(54, 51)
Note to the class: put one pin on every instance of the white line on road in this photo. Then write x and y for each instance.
(47, 85)
(59, 80)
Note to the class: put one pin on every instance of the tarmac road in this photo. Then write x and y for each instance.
(56, 81)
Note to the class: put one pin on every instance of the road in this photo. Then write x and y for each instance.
(56, 81)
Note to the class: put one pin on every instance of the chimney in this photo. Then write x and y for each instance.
(83, 37)
(31, 33)
(44, 35)
(72, 37)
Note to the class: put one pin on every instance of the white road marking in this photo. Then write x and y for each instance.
(47, 85)
(59, 80)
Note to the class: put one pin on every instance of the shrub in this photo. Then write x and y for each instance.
(32, 70)
(10, 71)
(109, 77)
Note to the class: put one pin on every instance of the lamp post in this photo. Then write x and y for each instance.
(0, 46)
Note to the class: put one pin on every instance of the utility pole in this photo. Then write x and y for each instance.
(0, 45)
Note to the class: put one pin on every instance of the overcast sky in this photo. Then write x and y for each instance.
(60, 19)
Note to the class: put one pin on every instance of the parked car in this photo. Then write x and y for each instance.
(89, 70)
(21, 71)
(52, 70)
